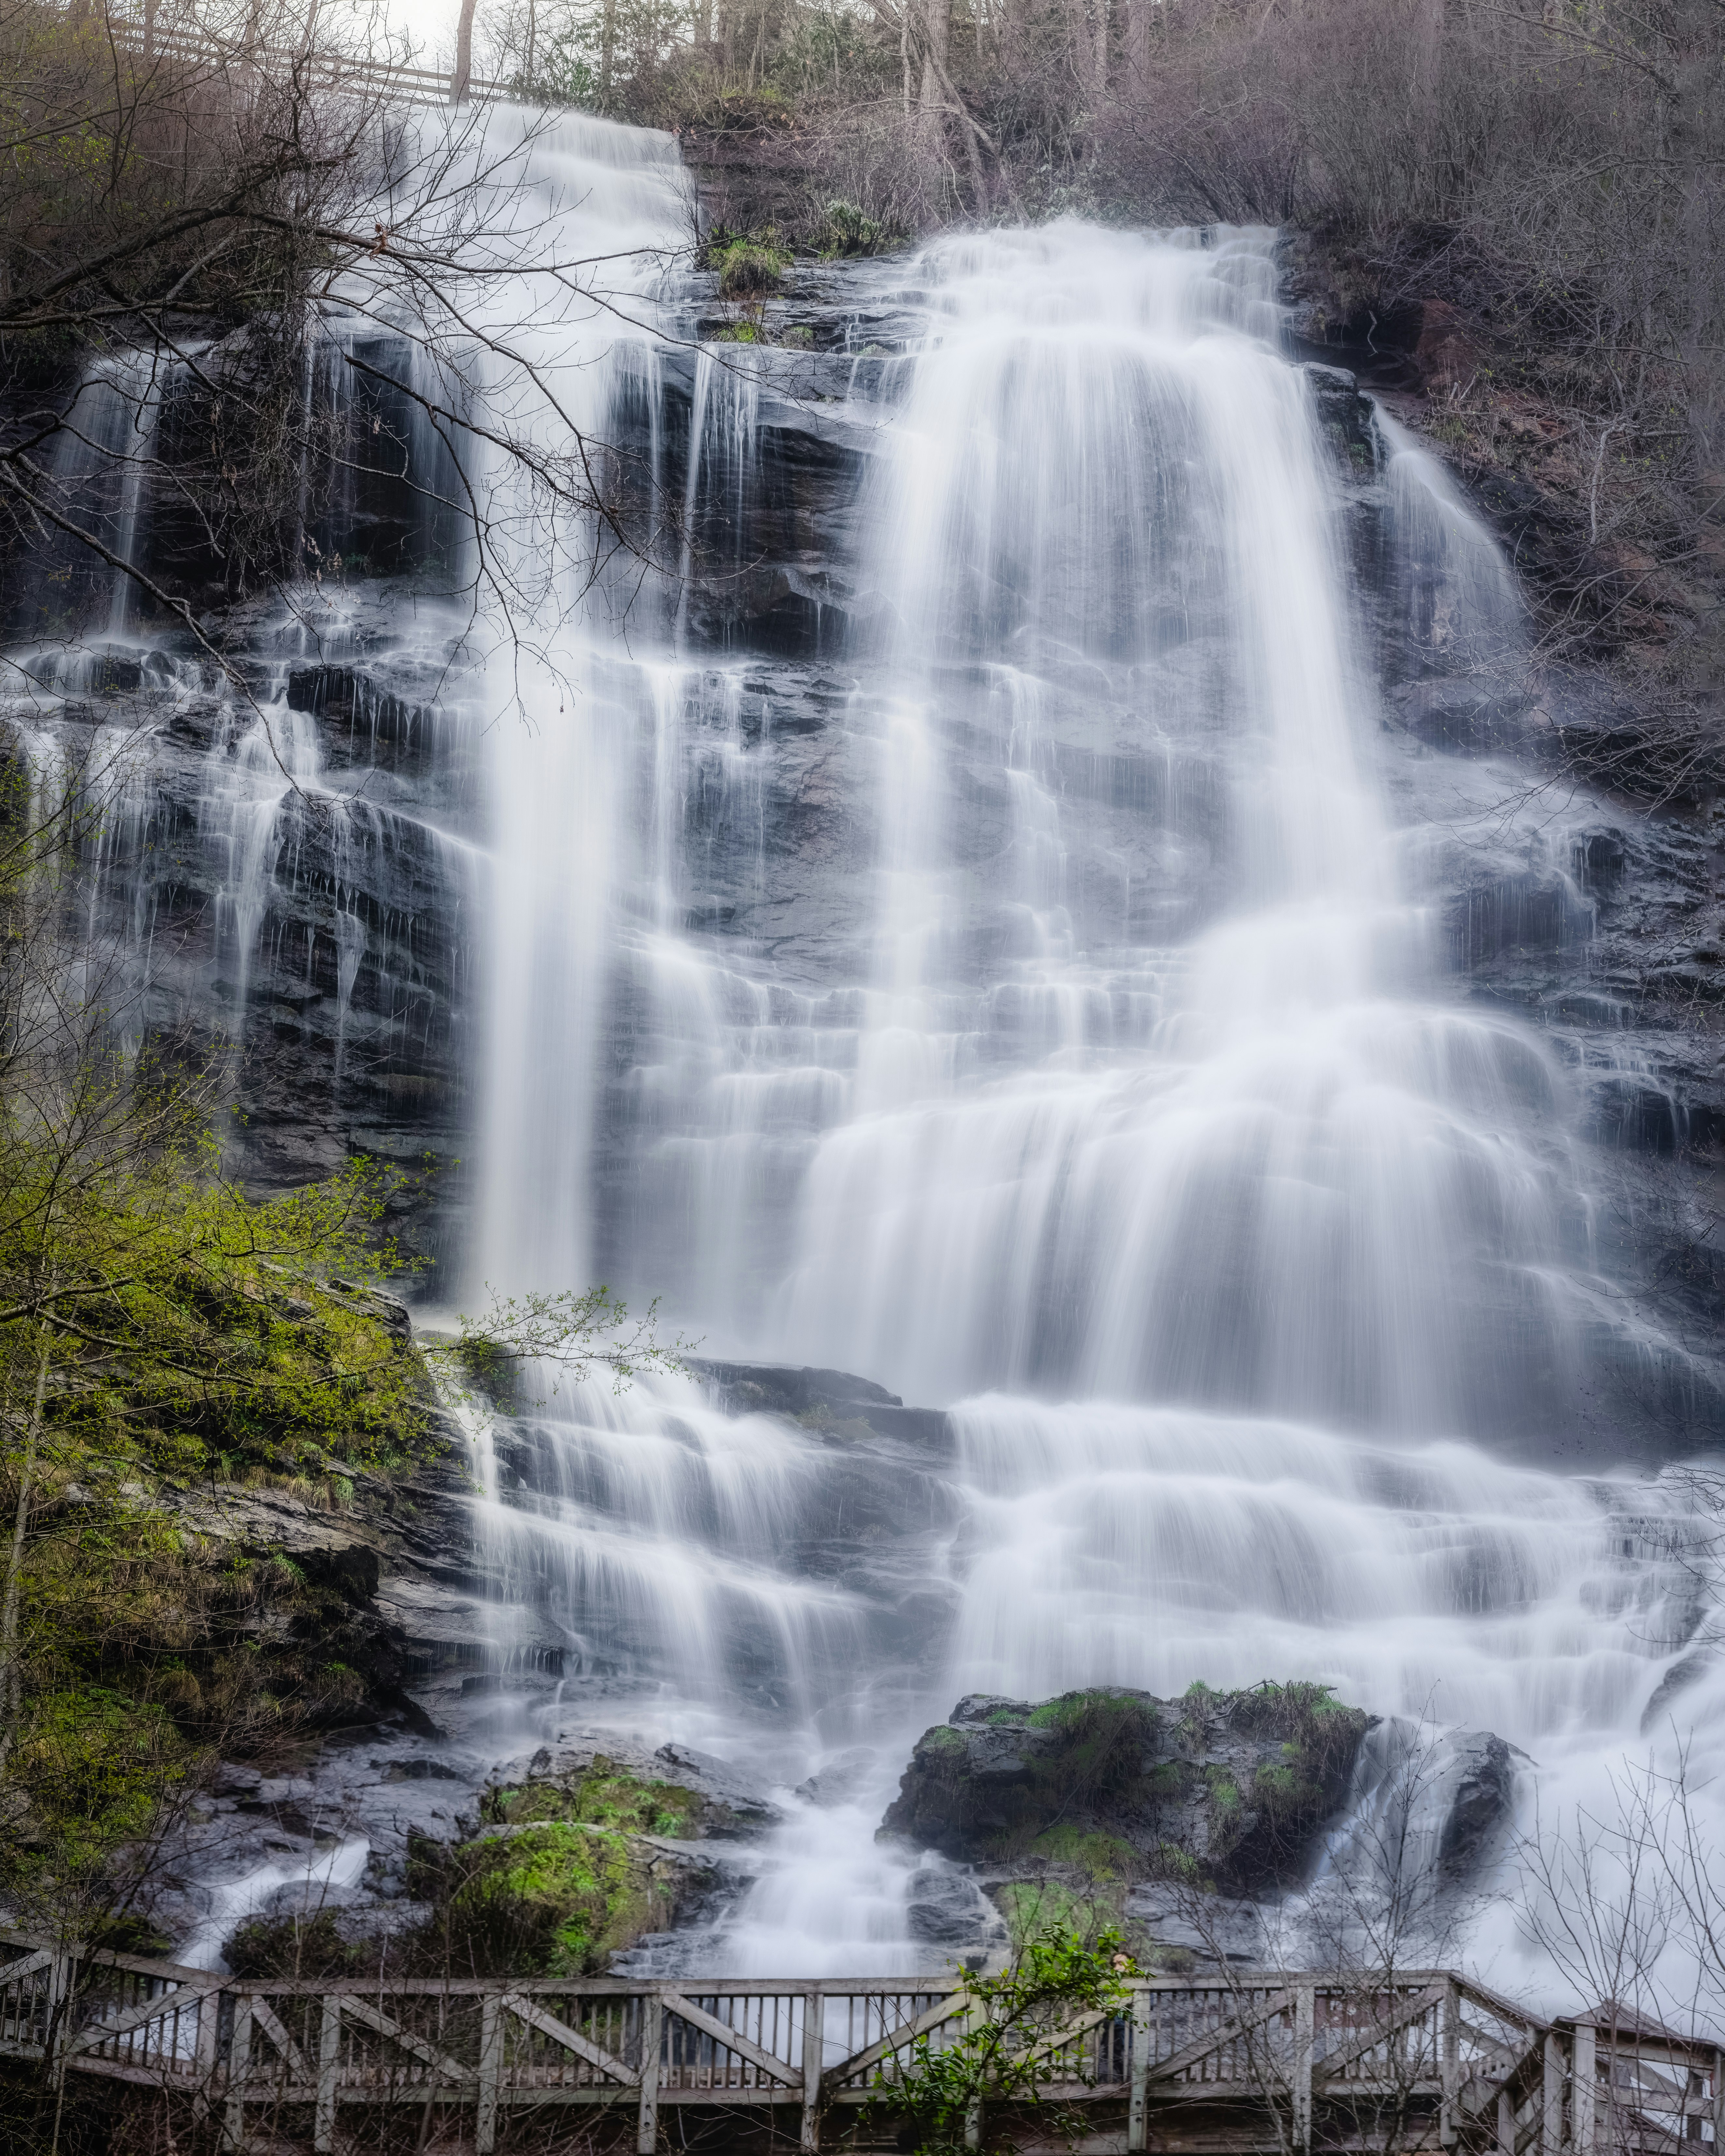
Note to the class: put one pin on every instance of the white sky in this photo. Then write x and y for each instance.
(430, 22)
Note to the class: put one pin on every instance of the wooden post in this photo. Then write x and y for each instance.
(1719, 2101)
(652, 2044)
(329, 2061)
(815, 2024)
(1582, 2088)
(974, 2115)
(1551, 2120)
(490, 2073)
(1305, 2027)
(461, 80)
(1450, 2043)
(240, 2062)
(207, 2056)
(1137, 2117)
(54, 2034)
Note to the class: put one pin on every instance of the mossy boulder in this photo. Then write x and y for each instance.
(559, 1897)
(1223, 1789)
(601, 1790)
(567, 1870)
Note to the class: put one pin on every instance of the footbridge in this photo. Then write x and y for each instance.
(1242, 2061)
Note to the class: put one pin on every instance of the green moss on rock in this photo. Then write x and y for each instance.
(556, 1899)
(1228, 1790)
(604, 1796)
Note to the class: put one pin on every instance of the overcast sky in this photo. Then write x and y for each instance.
(431, 23)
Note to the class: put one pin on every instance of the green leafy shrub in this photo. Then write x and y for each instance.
(1004, 2053)
(844, 231)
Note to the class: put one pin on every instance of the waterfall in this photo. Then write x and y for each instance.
(1121, 1099)
(1013, 966)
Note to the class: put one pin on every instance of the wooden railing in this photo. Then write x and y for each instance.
(138, 28)
(1242, 2061)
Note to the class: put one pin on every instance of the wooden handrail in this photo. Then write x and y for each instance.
(1315, 2048)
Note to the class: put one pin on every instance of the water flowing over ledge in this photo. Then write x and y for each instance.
(1021, 968)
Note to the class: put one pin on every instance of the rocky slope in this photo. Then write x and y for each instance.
(327, 924)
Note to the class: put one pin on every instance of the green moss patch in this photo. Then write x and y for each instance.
(555, 1899)
(605, 1795)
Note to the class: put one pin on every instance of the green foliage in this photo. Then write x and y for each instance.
(1003, 2051)
(525, 1349)
(606, 1795)
(750, 264)
(1177, 1863)
(844, 231)
(1225, 1796)
(95, 1765)
(554, 1899)
(1105, 1857)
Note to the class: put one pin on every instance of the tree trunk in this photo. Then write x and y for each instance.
(12, 1685)
(1078, 34)
(607, 52)
(461, 81)
(1139, 21)
(937, 29)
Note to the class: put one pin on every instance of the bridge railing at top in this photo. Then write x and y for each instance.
(1317, 2060)
(318, 65)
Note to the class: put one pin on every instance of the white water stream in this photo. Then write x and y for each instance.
(1096, 1074)
(1193, 1137)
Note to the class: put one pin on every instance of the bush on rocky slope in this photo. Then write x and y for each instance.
(562, 1871)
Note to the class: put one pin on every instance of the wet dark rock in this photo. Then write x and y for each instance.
(1228, 1788)
(1515, 913)
(832, 1403)
(1345, 414)
(947, 1908)
(1464, 715)
(840, 1781)
(1624, 1111)
(1480, 1786)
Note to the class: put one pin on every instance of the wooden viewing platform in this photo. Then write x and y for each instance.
(1238, 2062)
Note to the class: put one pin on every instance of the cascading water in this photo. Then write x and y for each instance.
(1134, 1075)
(1035, 996)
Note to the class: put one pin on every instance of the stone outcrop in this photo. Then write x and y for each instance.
(1231, 1788)
(1196, 1823)
(574, 1866)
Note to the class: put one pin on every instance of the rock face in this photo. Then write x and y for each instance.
(1196, 1823)
(327, 926)
(1231, 1788)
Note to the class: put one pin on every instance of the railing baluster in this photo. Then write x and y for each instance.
(490, 2067)
(329, 2067)
(239, 2060)
(814, 2014)
(1138, 2107)
(652, 2037)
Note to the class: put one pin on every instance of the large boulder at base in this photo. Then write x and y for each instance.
(567, 1868)
(1226, 1789)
